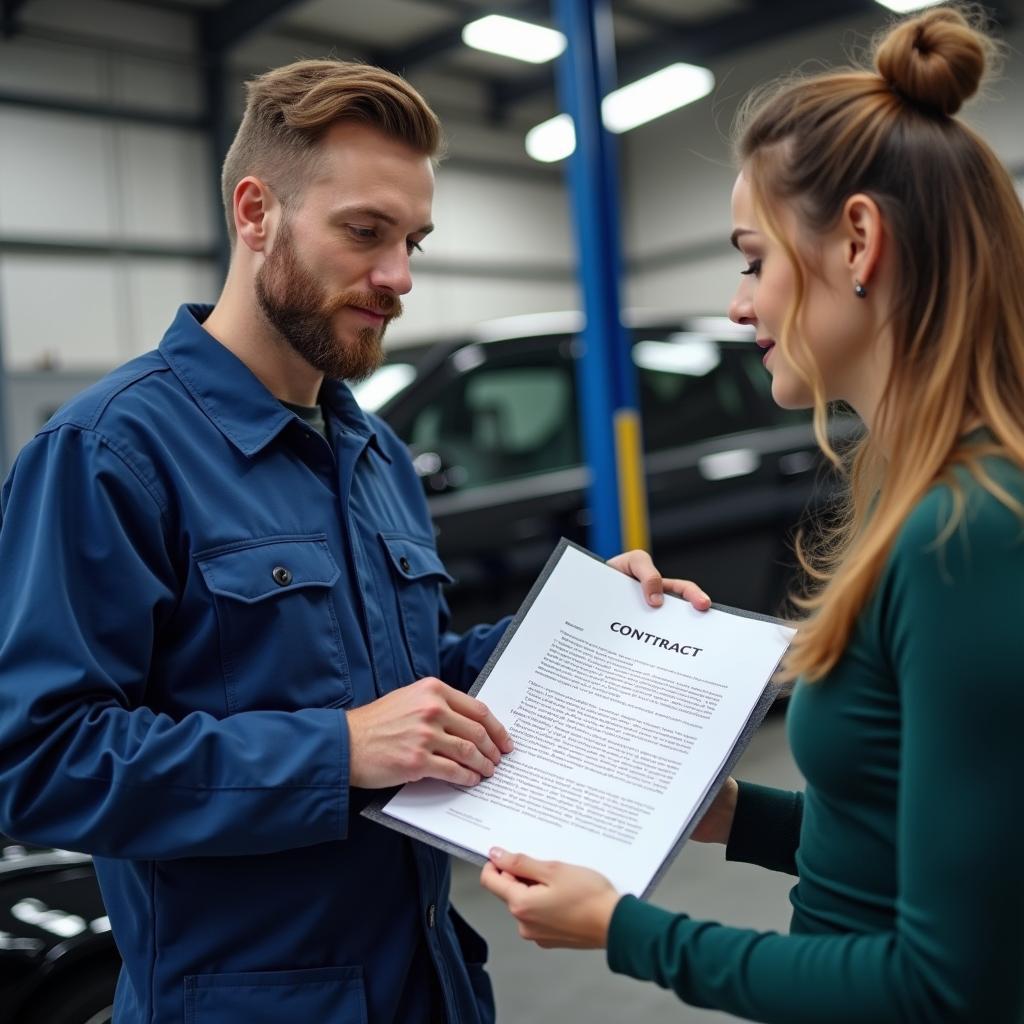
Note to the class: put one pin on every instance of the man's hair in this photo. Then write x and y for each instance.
(289, 109)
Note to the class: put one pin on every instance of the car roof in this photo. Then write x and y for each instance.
(561, 322)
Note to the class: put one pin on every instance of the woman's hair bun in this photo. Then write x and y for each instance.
(935, 60)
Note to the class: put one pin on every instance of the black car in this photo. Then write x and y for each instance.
(58, 962)
(491, 419)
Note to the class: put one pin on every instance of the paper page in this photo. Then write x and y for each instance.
(622, 716)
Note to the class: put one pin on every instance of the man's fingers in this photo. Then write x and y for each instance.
(464, 752)
(472, 732)
(689, 591)
(447, 770)
(477, 711)
(521, 866)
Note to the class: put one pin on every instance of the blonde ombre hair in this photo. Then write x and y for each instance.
(957, 322)
(288, 110)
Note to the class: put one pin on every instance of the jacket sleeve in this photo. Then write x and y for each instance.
(954, 951)
(463, 655)
(84, 763)
(766, 828)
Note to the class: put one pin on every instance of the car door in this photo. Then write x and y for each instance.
(495, 437)
(729, 473)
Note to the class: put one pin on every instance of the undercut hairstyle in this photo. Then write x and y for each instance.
(891, 131)
(289, 109)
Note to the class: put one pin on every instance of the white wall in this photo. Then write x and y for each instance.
(72, 183)
(502, 243)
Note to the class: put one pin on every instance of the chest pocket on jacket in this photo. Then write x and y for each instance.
(281, 646)
(418, 575)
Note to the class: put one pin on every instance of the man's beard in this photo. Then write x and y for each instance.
(302, 312)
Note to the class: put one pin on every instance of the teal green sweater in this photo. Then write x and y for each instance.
(909, 839)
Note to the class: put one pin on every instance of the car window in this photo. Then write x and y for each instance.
(694, 387)
(761, 382)
(499, 422)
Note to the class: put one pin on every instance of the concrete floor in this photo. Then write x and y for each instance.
(534, 986)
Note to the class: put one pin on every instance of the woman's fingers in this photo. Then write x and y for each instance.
(502, 885)
(641, 567)
(688, 591)
(521, 866)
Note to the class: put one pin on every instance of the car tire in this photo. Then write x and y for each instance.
(82, 996)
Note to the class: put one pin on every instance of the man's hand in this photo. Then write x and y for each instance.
(557, 905)
(427, 730)
(639, 565)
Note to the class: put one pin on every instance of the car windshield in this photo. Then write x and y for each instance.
(383, 384)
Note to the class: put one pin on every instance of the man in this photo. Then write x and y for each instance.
(222, 628)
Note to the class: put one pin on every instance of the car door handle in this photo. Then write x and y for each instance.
(729, 464)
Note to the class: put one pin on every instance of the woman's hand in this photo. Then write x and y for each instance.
(716, 825)
(557, 905)
(639, 565)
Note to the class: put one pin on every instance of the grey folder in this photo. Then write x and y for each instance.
(375, 810)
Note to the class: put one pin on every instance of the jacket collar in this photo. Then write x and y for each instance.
(233, 397)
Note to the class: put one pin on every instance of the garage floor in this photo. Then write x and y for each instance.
(534, 986)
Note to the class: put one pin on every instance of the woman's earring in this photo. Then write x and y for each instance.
(859, 290)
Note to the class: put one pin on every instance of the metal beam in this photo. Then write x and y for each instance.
(98, 45)
(104, 111)
(9, 11)
(704, 41)
(12, 246)
(171, 6)
(225, 27)
(436, 43)
(328, 42)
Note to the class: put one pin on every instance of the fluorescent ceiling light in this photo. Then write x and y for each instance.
(551, 140)
(632, 105)
(644, 100)
(906, 6)
(510, 37)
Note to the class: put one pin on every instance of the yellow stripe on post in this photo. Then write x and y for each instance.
(629, 458)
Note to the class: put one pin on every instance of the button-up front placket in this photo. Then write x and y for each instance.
(233, 586)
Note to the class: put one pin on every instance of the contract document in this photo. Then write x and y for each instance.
(626, 720)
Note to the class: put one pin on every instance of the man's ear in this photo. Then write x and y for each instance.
(253, 204)
(863, 233)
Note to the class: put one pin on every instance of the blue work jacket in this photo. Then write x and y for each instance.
(198, 585)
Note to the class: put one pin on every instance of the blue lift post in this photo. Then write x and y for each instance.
(610, 417)
(5, 455)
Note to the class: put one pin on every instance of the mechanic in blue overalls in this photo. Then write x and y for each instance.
(222, 627)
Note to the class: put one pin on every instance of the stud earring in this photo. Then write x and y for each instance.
(859, 290)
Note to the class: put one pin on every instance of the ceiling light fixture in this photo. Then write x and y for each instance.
(658, 94)
(551, 140)
(510, 37)
(906, 6)
(632, 105)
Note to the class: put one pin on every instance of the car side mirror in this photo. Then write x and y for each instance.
(438, 473)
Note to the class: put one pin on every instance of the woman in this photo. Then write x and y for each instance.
(885, 250)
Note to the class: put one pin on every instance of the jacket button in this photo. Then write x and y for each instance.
(404, 563)
(282, 576)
